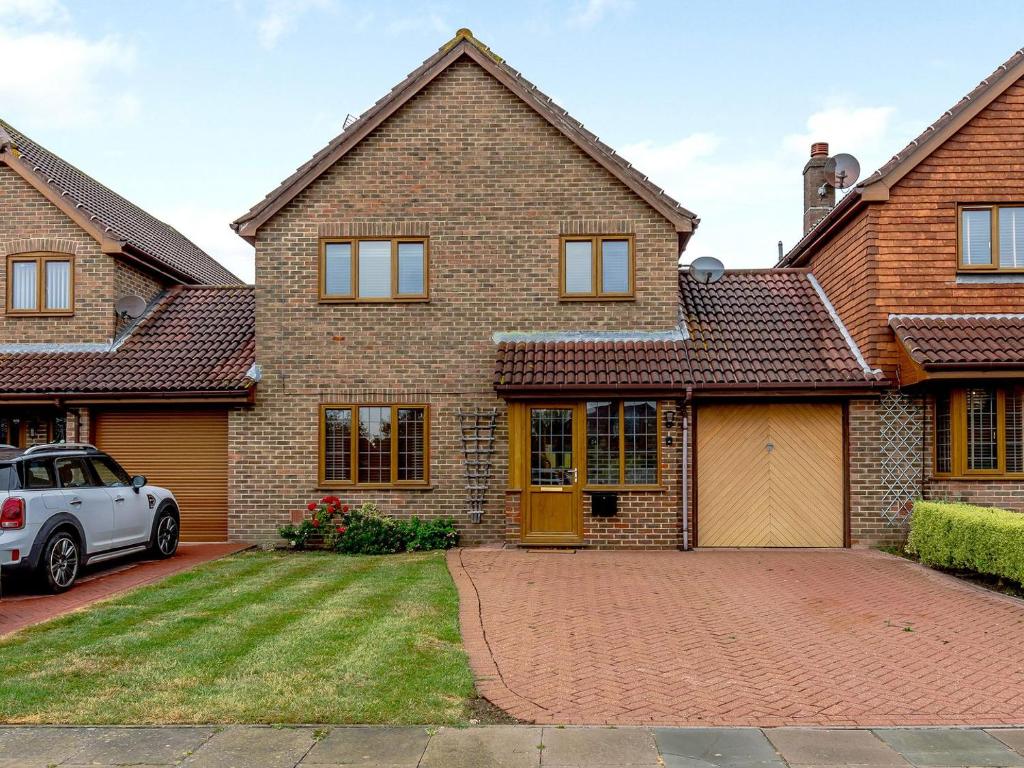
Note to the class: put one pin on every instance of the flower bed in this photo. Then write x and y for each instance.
(365, 531)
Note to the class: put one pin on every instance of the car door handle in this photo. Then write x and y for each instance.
(75, 502)
(119, 499)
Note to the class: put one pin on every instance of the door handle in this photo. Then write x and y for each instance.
(75, 502)
(119, 499)
(570, 476)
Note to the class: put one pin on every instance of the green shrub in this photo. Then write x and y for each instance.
(367, 532)
(422, 535)
(962, 536)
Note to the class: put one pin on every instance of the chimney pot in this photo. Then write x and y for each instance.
(819, 149)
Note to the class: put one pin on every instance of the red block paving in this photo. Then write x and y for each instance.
(755, 638)
(23, 608)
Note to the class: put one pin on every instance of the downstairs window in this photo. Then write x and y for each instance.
(622, 443)
(979, 431)
(374, 445)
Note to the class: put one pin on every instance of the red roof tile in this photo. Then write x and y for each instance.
(962, 341)
(752, 329)
(193, 339)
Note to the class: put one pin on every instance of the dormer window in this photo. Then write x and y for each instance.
(374, 270)
(991, 238)
(597, 267)
(40, 284)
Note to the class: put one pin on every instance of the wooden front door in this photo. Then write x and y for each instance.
(770, 475)
(552, 504)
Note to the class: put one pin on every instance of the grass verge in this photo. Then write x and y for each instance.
(259, 637)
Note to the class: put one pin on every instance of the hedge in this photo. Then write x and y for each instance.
(962, 536)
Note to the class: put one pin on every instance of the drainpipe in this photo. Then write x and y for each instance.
(686, 473)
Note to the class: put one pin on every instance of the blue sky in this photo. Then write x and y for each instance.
(196, 109)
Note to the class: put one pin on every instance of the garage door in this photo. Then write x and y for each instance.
(770, 475)
(183, 450)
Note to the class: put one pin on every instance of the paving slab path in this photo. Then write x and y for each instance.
(22, 604)
(737, 638)
(505, 746)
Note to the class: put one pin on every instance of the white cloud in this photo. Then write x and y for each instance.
(750, 196)
(208, 228)
(33, 11)
(588, 13)
(71, 75)
(280, 16)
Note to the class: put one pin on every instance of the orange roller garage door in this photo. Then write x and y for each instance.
(184, 450)
(770, 475)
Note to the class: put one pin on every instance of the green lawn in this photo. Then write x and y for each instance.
(257, 638)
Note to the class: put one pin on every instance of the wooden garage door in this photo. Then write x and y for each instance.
(770, 475)
(185, 451)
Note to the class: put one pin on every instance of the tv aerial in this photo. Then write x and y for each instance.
(841, 172)
(130, 307)
(706, 269)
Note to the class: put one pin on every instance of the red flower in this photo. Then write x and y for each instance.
(315, 522)
(341, 529)
(345, 509)
(311, 506)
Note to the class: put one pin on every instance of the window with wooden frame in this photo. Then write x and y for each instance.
(991, 238)
(595, 267)
(623, 443)
(374, 269)
(375, 445)
(979, 431)
(40, 284)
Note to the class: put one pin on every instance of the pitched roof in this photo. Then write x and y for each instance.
(938, 342)
(464, 44)
(108, 216)
(192, 339)
(768, 328)
(752, 330)
(877, 185)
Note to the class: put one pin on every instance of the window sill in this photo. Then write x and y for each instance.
(49, 313)
(412, 300)
(353, 487)
(976, 478)
(592, 299)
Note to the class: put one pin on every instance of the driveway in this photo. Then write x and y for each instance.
(22, 604)
(755, 637)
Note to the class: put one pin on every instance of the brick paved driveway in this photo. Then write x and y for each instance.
(763, 638)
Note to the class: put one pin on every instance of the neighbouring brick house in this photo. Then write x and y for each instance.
(465, 218)
(924, 262)
(154, 389)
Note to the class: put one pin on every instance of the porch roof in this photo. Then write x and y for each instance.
(950, 342)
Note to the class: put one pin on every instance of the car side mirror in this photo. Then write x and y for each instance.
(138, 483)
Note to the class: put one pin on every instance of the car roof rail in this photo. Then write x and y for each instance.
(61, 447)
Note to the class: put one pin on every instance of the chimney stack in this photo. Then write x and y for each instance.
(816, 206)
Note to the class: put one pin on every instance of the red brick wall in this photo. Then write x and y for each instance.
(29, 222)
(492, 185)
(129, 280)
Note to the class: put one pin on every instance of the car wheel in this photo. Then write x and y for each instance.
(61, 560)
(165, 534)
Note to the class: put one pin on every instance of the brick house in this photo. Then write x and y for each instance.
(154, 386)
(467, 254)
(924, 262)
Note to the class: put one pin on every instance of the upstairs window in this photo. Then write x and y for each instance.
(597, 267)
(979, 431)
(393, 269)
(992, 238)
(374, 445)
(40, 284)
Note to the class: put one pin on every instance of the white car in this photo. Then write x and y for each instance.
(66, 505)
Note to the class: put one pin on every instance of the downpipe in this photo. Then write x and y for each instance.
(686, 475)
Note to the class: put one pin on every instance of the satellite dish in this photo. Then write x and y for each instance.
(841, 171)
(130, 307)
(707, 269)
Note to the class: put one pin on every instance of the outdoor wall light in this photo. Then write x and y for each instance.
(670, 421)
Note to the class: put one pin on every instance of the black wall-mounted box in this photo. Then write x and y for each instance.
(604, 504)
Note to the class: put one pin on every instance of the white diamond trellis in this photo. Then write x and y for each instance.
(478, 451)
(902, 440)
